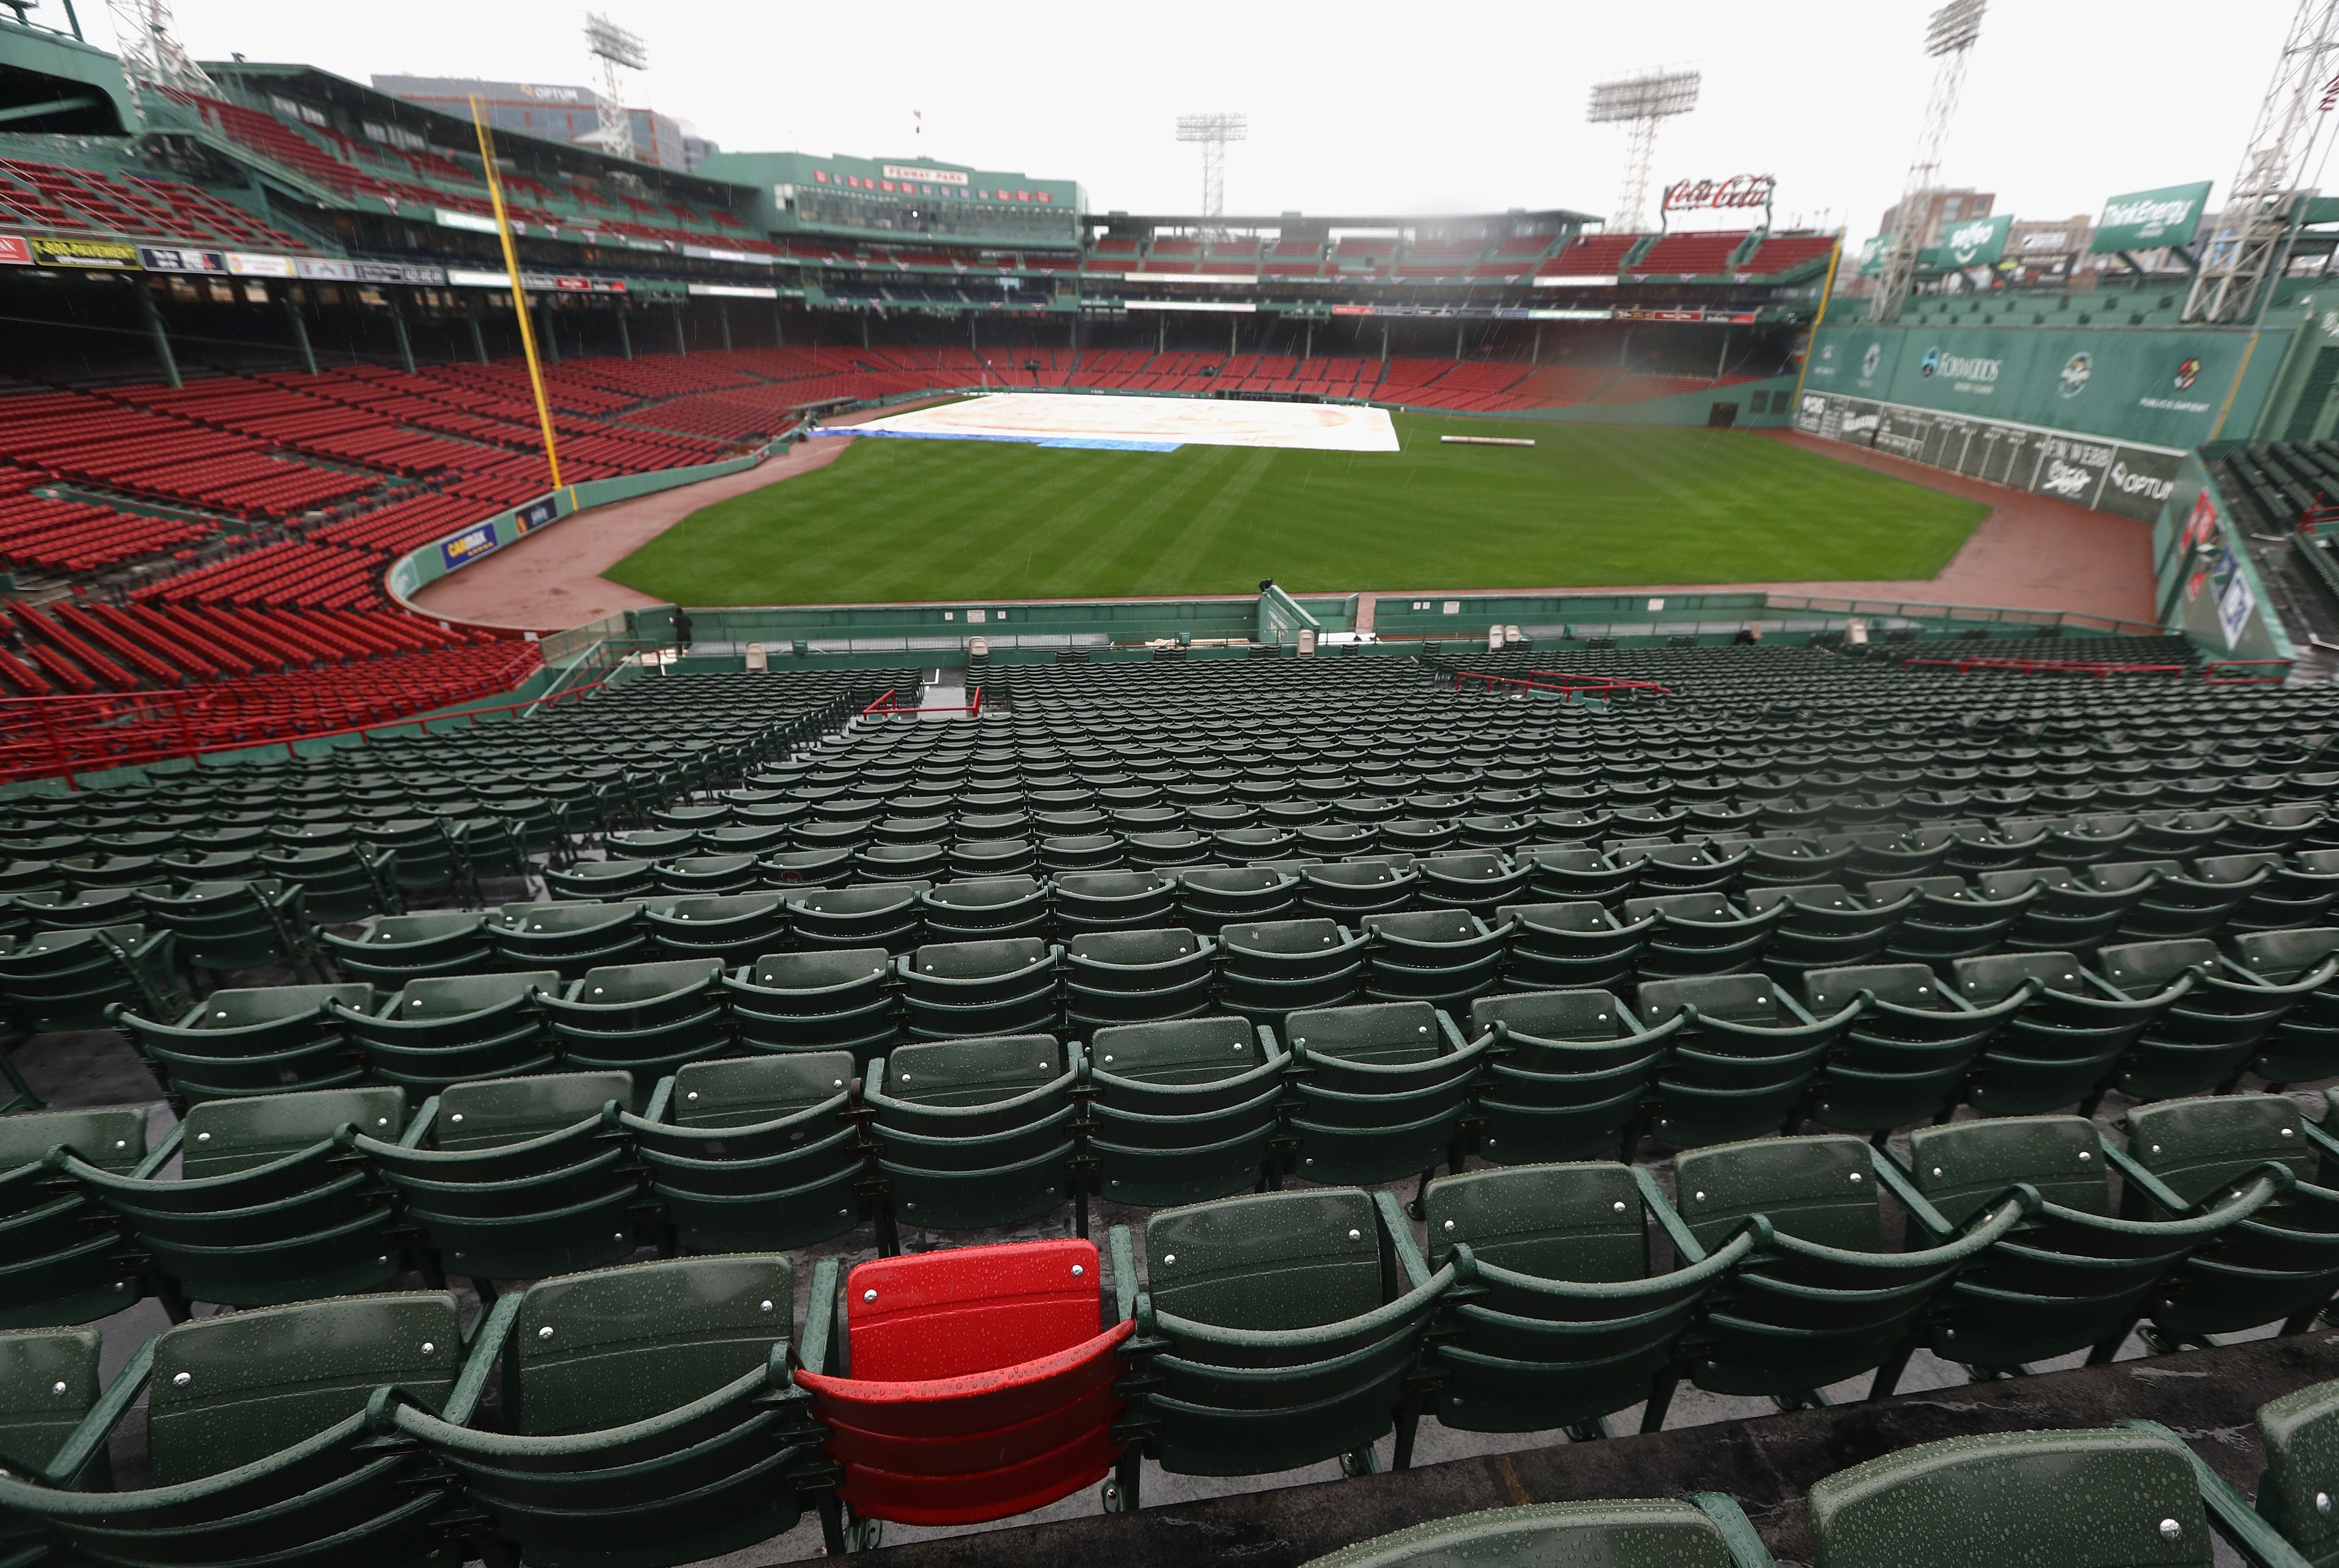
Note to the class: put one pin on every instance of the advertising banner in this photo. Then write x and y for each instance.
(2104, 476)
(474, 222)
(244, 264)
(399, 272)
(55, 251)
(534, 515)
(2159, 388)
(321, 270)
(1976, 243)
(2234, 600)
(1871, 255)
(2148, 220)
(15, 252)
(468, 545)
(172, 258)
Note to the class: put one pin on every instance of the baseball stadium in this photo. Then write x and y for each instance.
(724, 857)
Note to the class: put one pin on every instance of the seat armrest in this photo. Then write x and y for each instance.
(1653, 1199)
(1920, 1209)
(96, 1428)
(820, 1317)
(488, 1339)
(420, 1128)
(660, 1098)
(161, 1155)
(1409, 1261)
(1124, 1273)
(1738, 1533)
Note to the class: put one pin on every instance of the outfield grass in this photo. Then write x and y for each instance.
(1587, 506)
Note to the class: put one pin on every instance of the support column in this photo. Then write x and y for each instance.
(1534, 356)
(1722, 360)
(779, 334)
(153, 314)
(1384, 345)
(1233, 335)
(864, 329)
(1309, 352)
(397, 325)
(723, 311)
(299, 331)
(1161, 332)
(681, 341)
(624, 332)
(1457, 340)
(546, 342)
(478, 334)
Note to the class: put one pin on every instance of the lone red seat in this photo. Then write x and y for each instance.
(973, 1384)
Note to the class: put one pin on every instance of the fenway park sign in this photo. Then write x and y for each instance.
(1718, 195)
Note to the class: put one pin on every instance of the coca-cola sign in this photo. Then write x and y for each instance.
(1715, 195)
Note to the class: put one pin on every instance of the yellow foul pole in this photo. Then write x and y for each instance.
(520, 295)
(1827, 292)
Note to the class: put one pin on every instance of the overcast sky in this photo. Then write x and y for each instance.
(1378, 108)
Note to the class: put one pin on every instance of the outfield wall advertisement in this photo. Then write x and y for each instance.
(2115, 477)
(2154, 387)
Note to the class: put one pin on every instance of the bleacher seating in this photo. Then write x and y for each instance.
(1707, 938)
(1591, 256)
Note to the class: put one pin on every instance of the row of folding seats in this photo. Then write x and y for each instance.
(2088, 1498)
(1247, 1336)
(1291, 1078)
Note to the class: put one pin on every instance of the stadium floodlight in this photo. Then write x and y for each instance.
(617, 50)
(152, 54)
(2251, 243)
(1949, 38)
(1213, 131)
(1954, 27)
(1641, 103)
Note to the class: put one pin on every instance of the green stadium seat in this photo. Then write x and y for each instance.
(977, 1133)
(1831, 1300)
(1382, 1090)
(651, 1418)
(519, 1178)
(268, 1207)
(756, 1154)
(1556, 1319)
(1292, 1323)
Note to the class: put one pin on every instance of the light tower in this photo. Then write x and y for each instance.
(2247, 250)
(1213, 131)
(152, 54)
(1949, 39)
(1640, 103)
(617, 50)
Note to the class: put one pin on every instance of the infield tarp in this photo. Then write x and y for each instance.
(1146, 424)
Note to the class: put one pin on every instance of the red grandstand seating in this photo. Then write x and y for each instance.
(981, 1385)
(1687, 254)
(1782, 253)
(1593, 255)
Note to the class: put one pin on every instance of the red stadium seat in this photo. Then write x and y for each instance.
(981, 1385)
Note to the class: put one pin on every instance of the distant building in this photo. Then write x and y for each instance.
(1938, 210)
(556, 113)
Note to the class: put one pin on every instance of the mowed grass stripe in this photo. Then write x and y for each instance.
(1588, 506)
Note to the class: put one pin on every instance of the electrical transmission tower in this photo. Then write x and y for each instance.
(1213, 131)
(152, 54)
(1949, 39)
(1640, 103)
(2246, 251)
(617, 50)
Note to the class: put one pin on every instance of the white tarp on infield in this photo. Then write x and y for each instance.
(1146, 424)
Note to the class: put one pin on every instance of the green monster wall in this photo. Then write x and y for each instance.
(2098, 415)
